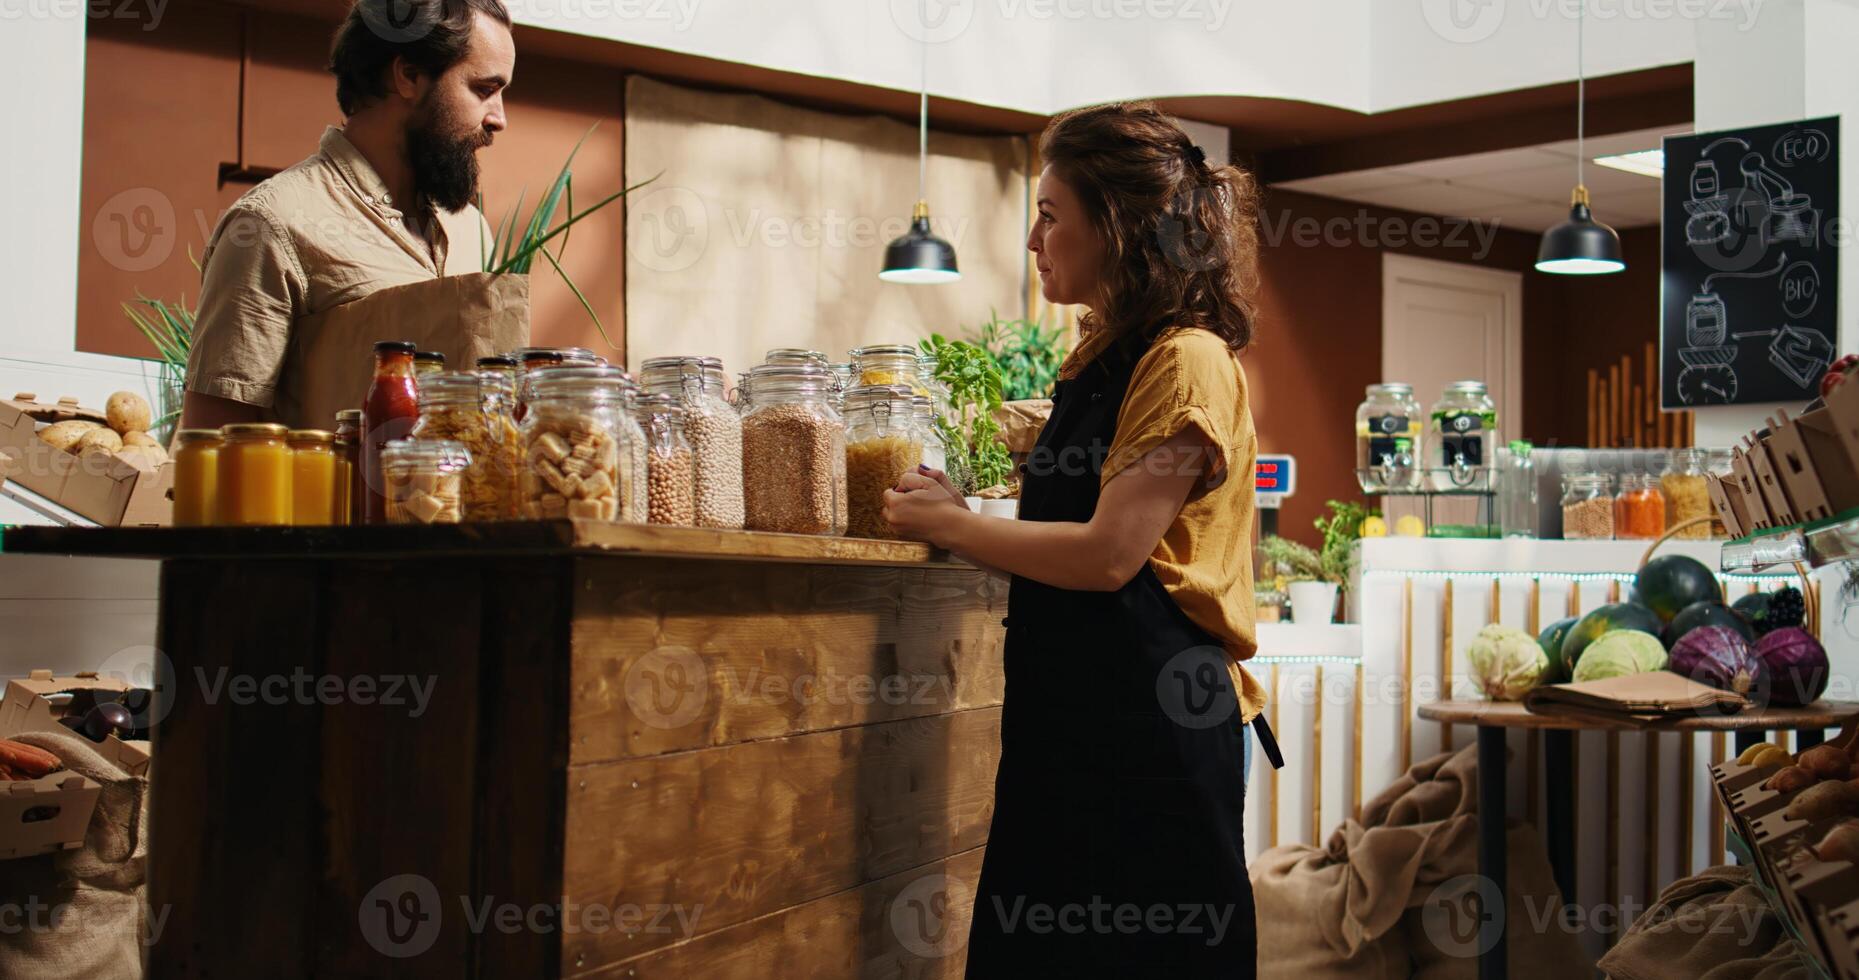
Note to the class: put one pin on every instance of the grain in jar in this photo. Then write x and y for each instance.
(883, 443)
(1587, 507)
(1639, 510)
(714, 429)
(469, 408)
(425, 479)
(1687, 494)
(793, 454)
(571, 446)
(670, 469)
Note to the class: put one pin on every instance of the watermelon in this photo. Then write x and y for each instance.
(1755, 608)
(1551, 642)
(1606, 619)
(1707, 613)
(1669, 583)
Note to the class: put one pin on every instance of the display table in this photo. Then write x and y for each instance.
(1494, 718)
(546, 749)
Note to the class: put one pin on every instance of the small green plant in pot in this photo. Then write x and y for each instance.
(1314, 576)
(978, 457)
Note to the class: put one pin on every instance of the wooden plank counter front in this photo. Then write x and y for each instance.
(643, 752)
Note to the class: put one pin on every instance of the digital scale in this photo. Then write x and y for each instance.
(1274, 480)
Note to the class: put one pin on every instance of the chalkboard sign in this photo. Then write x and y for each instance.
(1749, 310)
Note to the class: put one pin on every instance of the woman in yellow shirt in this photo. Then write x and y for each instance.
(1116, 845)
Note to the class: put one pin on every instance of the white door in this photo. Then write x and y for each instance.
(1443, 322)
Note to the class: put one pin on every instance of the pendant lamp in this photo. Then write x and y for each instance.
(919, 257)
(1580, 246)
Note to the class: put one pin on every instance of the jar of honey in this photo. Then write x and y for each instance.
(313, 477)
(196, 477)
(255, 475)
(348, 466)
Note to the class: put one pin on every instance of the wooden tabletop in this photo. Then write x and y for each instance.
(513, 537)
(1512, 714)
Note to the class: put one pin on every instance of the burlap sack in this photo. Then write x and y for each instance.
(1380, 898)
(1715, 925)
(82, 913)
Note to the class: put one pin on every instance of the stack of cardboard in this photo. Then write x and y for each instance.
(112, 489)
(1796, 471)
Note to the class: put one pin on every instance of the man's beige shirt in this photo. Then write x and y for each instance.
(320, 234)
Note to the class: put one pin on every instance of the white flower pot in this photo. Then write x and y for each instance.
(1007, 508)
(1312, 602)
(974, 503)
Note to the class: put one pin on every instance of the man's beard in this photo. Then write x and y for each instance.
(444, 155)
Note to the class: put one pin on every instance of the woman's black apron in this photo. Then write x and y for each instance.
(1116, 847)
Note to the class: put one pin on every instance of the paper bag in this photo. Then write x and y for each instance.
(331, 357)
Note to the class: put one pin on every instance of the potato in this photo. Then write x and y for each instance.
(1791, 779)
(1826, 762)
(1824, 800)
(1840, 844)
(140, 439)
(98, 440)
(128, 412)
(63, 436)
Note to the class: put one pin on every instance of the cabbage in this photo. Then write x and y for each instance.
(1795, 665)
(1507, 662)
(1718, 656)
(1619, 653)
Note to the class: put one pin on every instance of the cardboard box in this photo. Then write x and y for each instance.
(38, 816)
(113, 489)
(1727, 498)
(1839, 932)
(1813, 463)
(25, 708)
(1775, 499)
(1743, 471)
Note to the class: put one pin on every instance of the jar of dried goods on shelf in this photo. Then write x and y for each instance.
(572, 448)
(670, 464)
(793, 454)
(923, 412)
(1687, 494)
(425, 480)
(714, 430)
(1587, 507)
(1388, 446)
(196, 477)
(883, 442)
(634, 467)
(427, 362)
(888, 364)
(796, 356)
(1639, 509)
(313, 477)
(1462, 438)
(254, 475)
(469, 409)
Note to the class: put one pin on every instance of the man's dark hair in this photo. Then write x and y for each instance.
(431, 34)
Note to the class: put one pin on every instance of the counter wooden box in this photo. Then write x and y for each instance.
(1839, 929)
(675, 725)
(105, 488)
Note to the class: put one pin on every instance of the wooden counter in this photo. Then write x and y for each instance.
(728, 754)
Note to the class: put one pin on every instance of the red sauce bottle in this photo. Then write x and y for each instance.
(392, 407)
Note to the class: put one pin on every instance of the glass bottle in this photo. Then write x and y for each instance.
(793, 454)
(571, 445)
(1687, 494)
(670, 463)
(888, 364)
(941, 399)
(1517, 508)
(1463, 437)
(634, 453)
(1587, 507)
(424, 480)
(934, 455)
(254, 475)
(883, 442)
(500, 372)
(427, 362)
(1388, 442)
(713, 428)
(391, 409)
(1639, 509)
(196, 477)
(348, 466)
(313, 477)
(456, 407)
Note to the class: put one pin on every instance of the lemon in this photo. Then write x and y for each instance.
(1374, 527)
(1410, 526)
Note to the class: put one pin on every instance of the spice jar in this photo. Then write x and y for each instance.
(1687, 494)
(888, 364)
(714, 430)
(313, 477)
(424, 479)
(457, 407)
(1587, 507)
(1463, 437)
(196, 477)
(670, 464)
(923, 413)
(1639, 510)
(254, 475)
(883, 442)
(391, 408)
(634, 452)
(1388, 447)
(571, 445)
(793, 454)
(427, 362)
(348, 467)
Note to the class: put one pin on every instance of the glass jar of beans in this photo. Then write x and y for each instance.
(714, 429)
(1587, 507)
(670, 468)
(793, 453)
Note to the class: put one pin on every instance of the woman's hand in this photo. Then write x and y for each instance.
(942, 480)
(923, 509)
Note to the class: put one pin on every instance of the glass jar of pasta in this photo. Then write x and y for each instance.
(571, 446)
(883, 442)
(425, 480)
(468, 408)
(793, 454)
(1687, 494)
(888, 364)
(714, 430)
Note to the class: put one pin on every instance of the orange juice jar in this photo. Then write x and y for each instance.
(254, 475)
(196, 476)
(313, 476)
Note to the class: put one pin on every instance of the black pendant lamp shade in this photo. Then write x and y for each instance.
(918, 256)
(1580, 246)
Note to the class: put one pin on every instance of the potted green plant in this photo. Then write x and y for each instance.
(169, 327)
(1313, 577)
(978, 458)
(1027, 352)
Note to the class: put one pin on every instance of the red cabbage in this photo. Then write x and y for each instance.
(1795, 666)
(1718, 656)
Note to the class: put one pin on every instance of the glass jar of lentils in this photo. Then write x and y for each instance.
(714, 430)
(793, 453)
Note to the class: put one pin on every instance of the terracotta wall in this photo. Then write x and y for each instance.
(246, 90)
(1319, 338)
